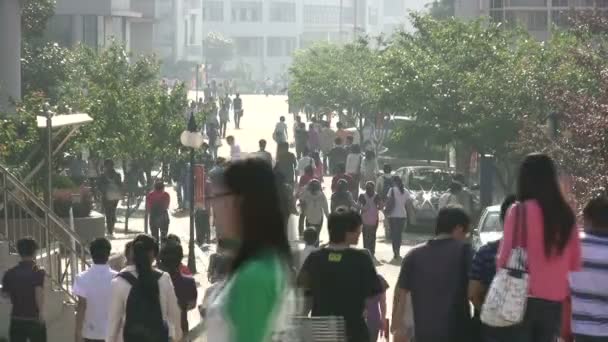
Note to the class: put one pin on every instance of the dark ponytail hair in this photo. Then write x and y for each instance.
(398, 182)
(145, 250)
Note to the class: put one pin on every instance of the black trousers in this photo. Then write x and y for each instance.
(109, 208)
(542, 323)
(223, 126)
(24, 331)
(203, 228)
(317, 227)
(369, 238)
(237, 118)
(159, 228)
(397, 225)
(586, 338)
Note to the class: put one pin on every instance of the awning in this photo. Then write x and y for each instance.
(64, 120)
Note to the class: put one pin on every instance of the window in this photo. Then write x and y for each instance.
(118, 28)
(284, 12)
(560, 3)
(246, 11)
(321, 14)
(281, 46)
(496, 16)
(585, 3)
(532, 20)
(248, 46)
(394, 8)
(192, 36)
(560, 19)
(213, 11)
(528, 3)
(496, 4)
(373, 16)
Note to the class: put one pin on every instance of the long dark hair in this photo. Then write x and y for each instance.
(143, 245)
(538, 181)
(262, 215)
(398, 182)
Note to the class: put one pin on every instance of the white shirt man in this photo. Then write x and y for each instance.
(93, 288)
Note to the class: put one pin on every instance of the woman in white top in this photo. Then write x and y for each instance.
(143, 303)
(396, 211)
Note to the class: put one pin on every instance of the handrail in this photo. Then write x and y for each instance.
(61, 246)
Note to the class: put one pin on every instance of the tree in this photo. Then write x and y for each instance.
(216, 50)
(441, 9)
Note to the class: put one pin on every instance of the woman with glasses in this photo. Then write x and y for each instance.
(247, 205)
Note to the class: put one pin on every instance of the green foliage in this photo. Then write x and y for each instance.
(44, 66)
(441, 9)
(34, 16)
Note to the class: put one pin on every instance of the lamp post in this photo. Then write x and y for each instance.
(193, 139)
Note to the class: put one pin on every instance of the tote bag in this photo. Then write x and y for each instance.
(505, 303)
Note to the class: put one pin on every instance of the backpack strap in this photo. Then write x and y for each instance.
(128, 277)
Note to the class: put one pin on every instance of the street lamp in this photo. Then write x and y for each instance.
(193, 139)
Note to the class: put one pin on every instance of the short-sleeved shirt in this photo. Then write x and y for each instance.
(20, 283)
(339, 282)
(483, 268)
(436, 275)
(94, 285)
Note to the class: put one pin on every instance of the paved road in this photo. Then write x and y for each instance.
(261, 115)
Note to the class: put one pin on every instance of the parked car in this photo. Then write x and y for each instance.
(426, 184)
(489, 227)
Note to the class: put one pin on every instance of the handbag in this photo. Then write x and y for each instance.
(505, 303)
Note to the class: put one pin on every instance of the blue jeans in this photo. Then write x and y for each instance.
(542, 322)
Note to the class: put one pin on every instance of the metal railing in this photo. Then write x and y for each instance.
(24, 214)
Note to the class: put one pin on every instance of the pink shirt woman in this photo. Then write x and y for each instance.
(548, 275)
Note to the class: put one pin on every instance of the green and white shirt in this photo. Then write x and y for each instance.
(253, 303)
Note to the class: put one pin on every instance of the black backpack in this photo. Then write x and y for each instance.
(144, 318)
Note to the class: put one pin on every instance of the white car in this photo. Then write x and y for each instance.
(489, 227)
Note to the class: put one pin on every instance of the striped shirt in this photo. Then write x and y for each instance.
(589, 289)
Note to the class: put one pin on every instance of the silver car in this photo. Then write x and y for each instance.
(489, 227)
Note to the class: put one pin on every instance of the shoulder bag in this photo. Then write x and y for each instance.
(505, 303)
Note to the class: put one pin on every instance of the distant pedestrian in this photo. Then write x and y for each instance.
(93, 289)
(314, 141)
(205, 157)
(318, 169)
(353, 168)
(435, 274)
(342, 197)
(157, 206)
(589, 287)
(341, 132)
(305, 161)
(301, 139)
(279, 134)
(171, 257)
(296, 125)
(337, 156)
(235, 149)
(224, 116)
(251, 304)
(339, 279)
(143, 305)
(395, 210)
(110, 185)
(314, 205)
(24, 286)
(384, 183)
(303, 182)
(349, 143)
(262, 153)
(286, 164)
(214, 137)
(369, 168)
(553, 249)
(370, 203)
(327, 137)
(341, 174)
(457, 197)
(237, 105)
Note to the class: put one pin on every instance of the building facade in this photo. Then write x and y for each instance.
(538, 16)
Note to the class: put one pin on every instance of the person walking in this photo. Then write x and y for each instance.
(395, 210)
(341, 132)
(318, 169)
(314, 205)
(24, 286)
(301, 139)
(435, 274)
(235, 149)
(237, 105)
(93, 288)
(314, 141)
(224, 114)
(157, 207)
(341, 175)
(353, 168)
(383, 184)
(143, 305)
(369, 202)
(303, 182)
(252, 306)
(279, 134)
(369, 168)
(588, 287)
(214, 137)
(171, 256)
(262, 153)
(456, 197)
(327, 137)
(338, 279)
(553, 249)
(286, 164)
(342, 197)
(337, 156)
(297, 120)
(110, 185)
